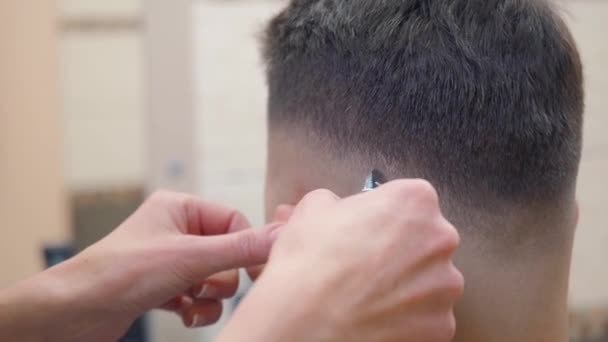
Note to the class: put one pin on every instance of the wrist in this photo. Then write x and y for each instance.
(280, 307)
(85, 300)
(100, 282)
(21, 310)
(52, 305)
(72, 301)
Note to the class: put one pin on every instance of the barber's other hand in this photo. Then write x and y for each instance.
(167, 254)
(373, 267)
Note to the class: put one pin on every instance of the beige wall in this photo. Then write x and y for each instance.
(102, 78)
(170, 115)
(101, 74)
(96, 8)
(32, 197)
(231, 99)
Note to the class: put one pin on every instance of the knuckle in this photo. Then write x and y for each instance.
(317, 194)
(401, 187)
(455, 283)
(450, 327)
(188, 203)
(165, 197)
(442, 327)
(187, 206)
(397, 194)
(451, 238)
(245, 246)
(424, 192)
(418, 191)
(160, 196)
(445, 238)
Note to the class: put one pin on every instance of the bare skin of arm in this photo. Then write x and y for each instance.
(324, 286)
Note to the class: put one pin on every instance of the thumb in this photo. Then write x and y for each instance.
(243, 249)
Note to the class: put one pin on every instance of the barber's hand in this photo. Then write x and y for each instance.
(178, 242)
(174, 245)
(281, 215)
(373, 267)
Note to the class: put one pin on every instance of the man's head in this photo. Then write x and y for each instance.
(483, 98)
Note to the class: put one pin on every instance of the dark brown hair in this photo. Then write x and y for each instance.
(483, 97)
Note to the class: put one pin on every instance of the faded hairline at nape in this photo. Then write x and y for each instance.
(489, 221)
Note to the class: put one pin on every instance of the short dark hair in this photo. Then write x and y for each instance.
(478, 96)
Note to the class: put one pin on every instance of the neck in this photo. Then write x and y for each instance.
(521, 298)
(516, 273)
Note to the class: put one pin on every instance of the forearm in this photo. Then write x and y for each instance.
(278, 309)
(22, 311)
(60, 304)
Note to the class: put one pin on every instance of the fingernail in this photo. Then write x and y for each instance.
(207, 291)
(203, 291)
(196, 320)
(185, 302)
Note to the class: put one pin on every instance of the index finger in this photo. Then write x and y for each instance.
(210, 218)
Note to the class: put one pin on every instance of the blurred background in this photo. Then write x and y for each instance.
(102, 102)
